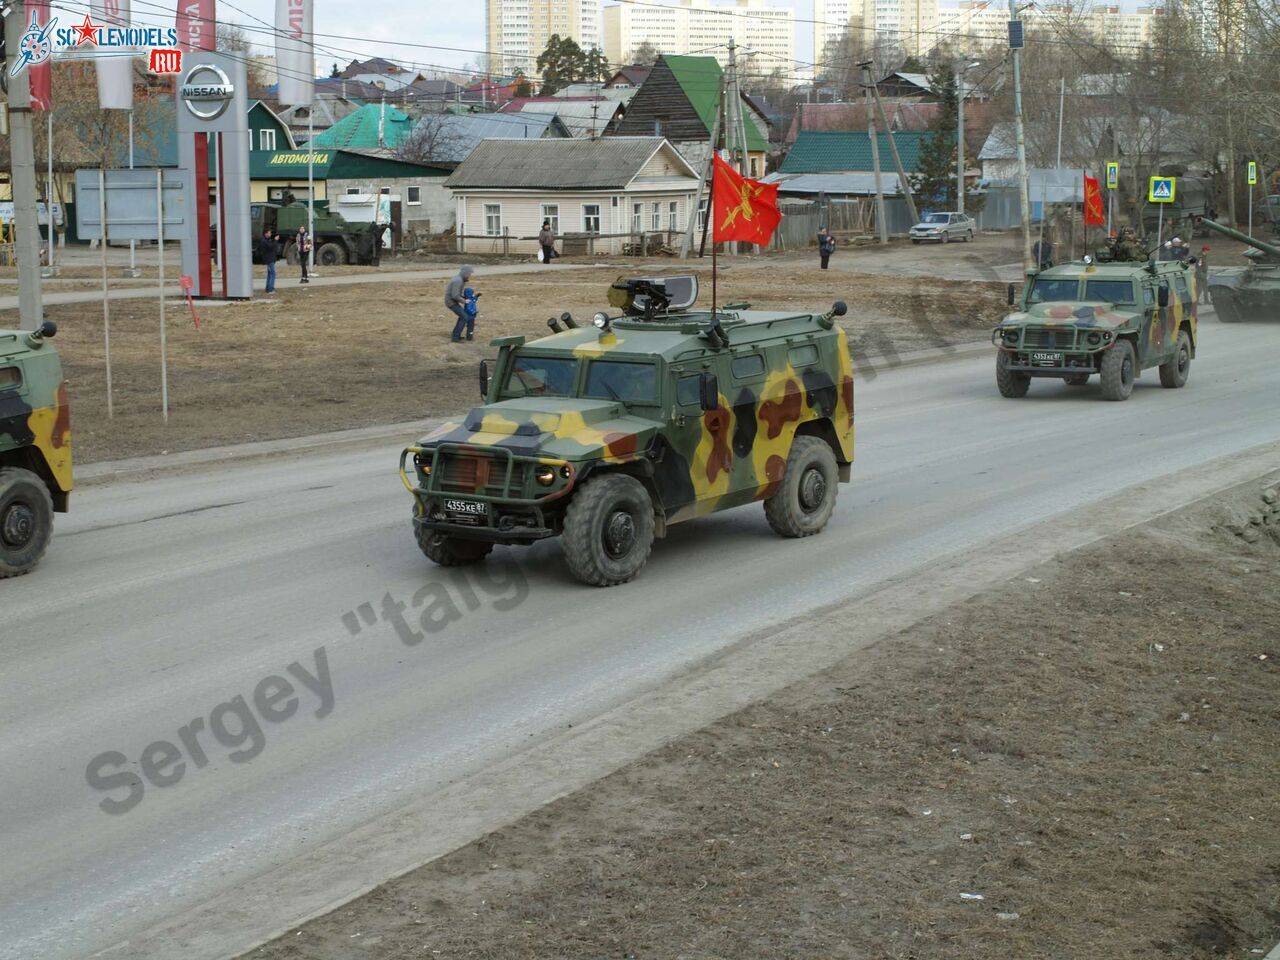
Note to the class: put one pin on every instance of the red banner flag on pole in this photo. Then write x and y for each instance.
(195, 25)
(1094, 214)
(40, 76)
(743, 209)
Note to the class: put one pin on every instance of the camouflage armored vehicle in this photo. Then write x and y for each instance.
(336, 240)
(1249, 293)
(35, 446)
(1114, 318)
(606, 435)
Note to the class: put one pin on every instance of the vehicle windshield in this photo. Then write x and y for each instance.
(533, 376)
(935, 218)
(618, 380)
(1109, 291)
(1048, 290)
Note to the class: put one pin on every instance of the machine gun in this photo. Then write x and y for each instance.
(652, 297)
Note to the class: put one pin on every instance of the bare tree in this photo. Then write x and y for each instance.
(435, 139)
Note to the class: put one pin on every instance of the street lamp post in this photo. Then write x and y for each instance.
(960, 93)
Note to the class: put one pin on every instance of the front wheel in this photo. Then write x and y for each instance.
(26, 521)
(802, 504)
(449, 551)
(916, 242)
(1012, 383)
(608, 530)
(946, 237)
(1118, 371)
(1079, 380)
(1174, 373)
(331, 255)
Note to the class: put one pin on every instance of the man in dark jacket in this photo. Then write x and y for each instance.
(454, 300)
(826, 246)
(269, 253)
(546, 240)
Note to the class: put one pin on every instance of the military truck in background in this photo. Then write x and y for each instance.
(35, 446)
(336, 240)
(605, 435)
(1114, 318)
(1193, 200)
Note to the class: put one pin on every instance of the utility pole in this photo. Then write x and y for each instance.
(1016, 52)
(736, 134)
(960, 137)
(22, 152)
(875, 152)
(897, 160)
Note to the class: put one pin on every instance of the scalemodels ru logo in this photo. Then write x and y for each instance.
(95, 40)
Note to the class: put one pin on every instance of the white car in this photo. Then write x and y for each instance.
(944, 227)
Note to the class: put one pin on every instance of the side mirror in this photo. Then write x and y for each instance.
(1163, 297)
(708, 391)
(1013, 295)
(484, 379)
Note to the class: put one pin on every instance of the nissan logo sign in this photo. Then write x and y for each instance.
(206, 91)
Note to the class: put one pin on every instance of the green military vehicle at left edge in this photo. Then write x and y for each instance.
(35, 446)
(1114, 318)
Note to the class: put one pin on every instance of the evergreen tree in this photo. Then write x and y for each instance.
(561, 63)
(934, 181)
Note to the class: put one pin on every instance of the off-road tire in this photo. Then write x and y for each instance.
(331, 255)
(291, 253)
(803, 502)
(1011, 383)
(450, 551)
(608, 530)
(1079, 380)
(1174, 373)
(26, 521)
(1119, 370)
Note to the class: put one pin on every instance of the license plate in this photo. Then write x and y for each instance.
(1046, 359)
(467, 508)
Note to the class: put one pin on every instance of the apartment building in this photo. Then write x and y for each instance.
(976, 25)
(704, 27)
(518, 30)
(833, 19)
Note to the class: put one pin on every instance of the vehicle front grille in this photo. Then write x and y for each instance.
(466, 473)
(1052, 338)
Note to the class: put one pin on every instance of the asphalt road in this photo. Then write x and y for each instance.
(162, 601)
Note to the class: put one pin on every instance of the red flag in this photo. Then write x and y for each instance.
(195, 25)
(743, 209)
(1094, 214)
(40, 76)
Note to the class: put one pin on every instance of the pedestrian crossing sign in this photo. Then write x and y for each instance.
(1253, 173)
(1162, 189)
(1113, 175)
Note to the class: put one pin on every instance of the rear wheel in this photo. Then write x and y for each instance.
(331, 255)
(26, 521)
(803, 502)
(608, 530)
(1118, 371)
(1174, 373)
(1012, 384)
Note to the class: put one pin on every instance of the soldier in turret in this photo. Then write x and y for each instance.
(1127, 246)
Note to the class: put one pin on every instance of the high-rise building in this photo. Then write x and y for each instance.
(518, 30)
(833, 22)
(759, 28)
(905, 26)
(978, 25)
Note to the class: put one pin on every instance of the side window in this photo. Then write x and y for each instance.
(1148, 298)
(747, 366)
(1184, 294)
(686, 390)
(11, 379)
(803, 355)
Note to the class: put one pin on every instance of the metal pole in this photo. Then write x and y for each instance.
(217, 200)
(1159, 230)
(48, 194)
(875, 153)
(311, 187)
(133, 244)
(26, 221)
(1062, 102)
(1022, 146)
(897, 160)
(731, 141)
(959, 142)
(106, 295)
(703, 184)
(1250, 211)
(164, 349)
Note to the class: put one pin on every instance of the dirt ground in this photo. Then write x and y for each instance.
(319, 358)
(1080, 763)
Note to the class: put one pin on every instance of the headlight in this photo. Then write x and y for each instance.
(423, 463)
(1094, 338)
(545, 475)
(600, 320)
(1011, 336)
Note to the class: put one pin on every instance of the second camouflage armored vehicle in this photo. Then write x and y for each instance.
(606, 435)
(35, 446)
(1113, 318)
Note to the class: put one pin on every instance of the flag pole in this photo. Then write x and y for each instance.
(711, 195)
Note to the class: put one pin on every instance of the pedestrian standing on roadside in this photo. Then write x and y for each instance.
(547, 240)
(826, 246)
(375, 236)
(269, 253)
(303, 243)
(1202, 276)
(455, 301)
